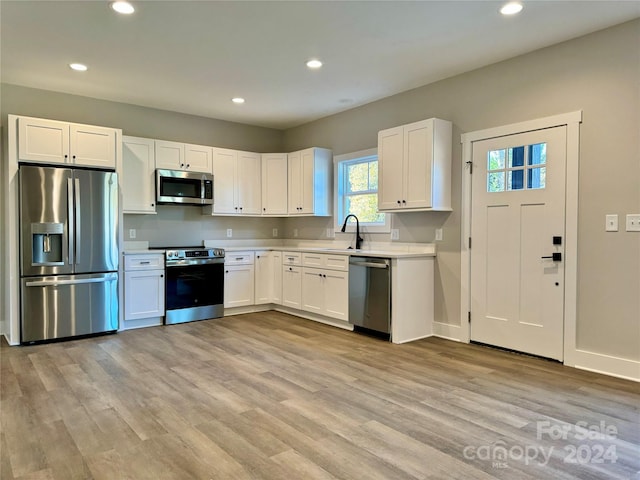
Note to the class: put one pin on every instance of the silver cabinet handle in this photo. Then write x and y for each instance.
(145, 263)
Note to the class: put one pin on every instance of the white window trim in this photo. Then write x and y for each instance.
(364, 227)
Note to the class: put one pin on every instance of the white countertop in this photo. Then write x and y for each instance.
(377, 250)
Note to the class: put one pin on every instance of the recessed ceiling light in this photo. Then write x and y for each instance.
(314, 63)
(511, 8)
(238, 100)
(78, 67)
(123, 7)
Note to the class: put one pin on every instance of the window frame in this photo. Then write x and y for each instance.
(339, 162)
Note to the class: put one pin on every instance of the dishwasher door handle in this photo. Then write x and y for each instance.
(370, 264)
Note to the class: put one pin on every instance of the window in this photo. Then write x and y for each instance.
(357, 190)
(517, 168)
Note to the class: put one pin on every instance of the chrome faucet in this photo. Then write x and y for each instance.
(359, 239)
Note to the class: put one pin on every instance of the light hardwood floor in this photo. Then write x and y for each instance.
(271, 396)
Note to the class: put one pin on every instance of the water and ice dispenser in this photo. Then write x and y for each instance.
(46, 244)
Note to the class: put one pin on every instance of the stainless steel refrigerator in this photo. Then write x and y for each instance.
(68, 252)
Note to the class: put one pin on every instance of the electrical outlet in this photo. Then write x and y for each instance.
(295, 232)
(275, 232)
(229, 232)
(395, 234)
(132, 233)
(611, 223)
(438, 234)
(633, 222)
(331, 233)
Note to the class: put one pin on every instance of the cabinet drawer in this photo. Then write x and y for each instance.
(152, 261)
(239, 258)
(323, 260)
(291, 258)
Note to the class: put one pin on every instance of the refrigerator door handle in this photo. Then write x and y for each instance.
(77, 221)
(70, 217)
(55, 283)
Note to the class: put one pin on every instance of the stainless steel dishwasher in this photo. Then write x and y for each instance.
(370, 294)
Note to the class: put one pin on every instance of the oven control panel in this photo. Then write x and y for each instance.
(200, 253)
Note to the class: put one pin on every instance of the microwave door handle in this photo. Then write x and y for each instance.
(77, 210)
(70, 221)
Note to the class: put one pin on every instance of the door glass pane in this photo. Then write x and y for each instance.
(516, 157)
(537, 177)
(515, 180)
(538, 154)
(495, 182)
(495, 159)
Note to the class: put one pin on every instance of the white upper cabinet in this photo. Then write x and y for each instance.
(414, 163)
(274, 184)
(236, 182)
(183, 156)
(138, 175)
(50, 141)
(310, 182)
(198, 158)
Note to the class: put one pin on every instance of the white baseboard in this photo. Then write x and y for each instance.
(141, 323)
(315, 318)
(412, 339)
(605, 364)
(445, 330)
(6, 337)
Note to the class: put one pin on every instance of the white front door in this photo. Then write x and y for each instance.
(517, 225)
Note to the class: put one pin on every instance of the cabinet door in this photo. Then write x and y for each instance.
(390, 168)
(224, 180)
(249, 183)
(294, 180)
(274, 184)
(138, 175)
(292, 287)
(238, 286)
(418, 158)
(42, 140)
(307, 182)
(143, 294)
(93, 146)
(198, 158)
(276, 268)
(336, 294)
(169, 155)
(263, 277)
(312, 290)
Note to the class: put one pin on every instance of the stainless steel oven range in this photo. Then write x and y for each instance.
(194, 284)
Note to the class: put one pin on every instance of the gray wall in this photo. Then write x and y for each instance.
(599, 74)
(137, 121)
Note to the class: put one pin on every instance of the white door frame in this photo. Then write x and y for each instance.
(572, 121)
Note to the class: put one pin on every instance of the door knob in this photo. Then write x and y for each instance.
(555, 256)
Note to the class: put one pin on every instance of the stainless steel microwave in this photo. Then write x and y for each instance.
(186, 188)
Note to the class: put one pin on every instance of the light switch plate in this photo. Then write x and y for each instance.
(438, 234)
(132, 233)
(611, 223)
(295, 232)
(331, 233)
(229, 232)
(275, 232)
(633, 222)
(395, 234)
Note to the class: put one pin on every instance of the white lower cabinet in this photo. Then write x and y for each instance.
(239, 281)
(325, 292)
(143, 290)
(292, 286)
(268, 277)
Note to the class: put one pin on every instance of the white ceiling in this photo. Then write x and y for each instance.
(194, 56)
